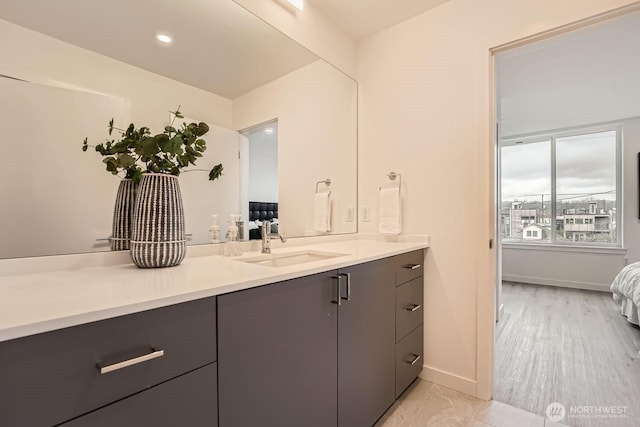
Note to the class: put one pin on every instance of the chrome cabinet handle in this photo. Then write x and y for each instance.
(339, 299)
(415, 359)
(412, 266)
(348, 276)
(130, 362)
(413, 307)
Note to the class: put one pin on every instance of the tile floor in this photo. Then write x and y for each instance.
(427, 404)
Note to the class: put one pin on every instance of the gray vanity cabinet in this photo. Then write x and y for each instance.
(290, 355)
(366, 343)
(329, 349)
(277, 354)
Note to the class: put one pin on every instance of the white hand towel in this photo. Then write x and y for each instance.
(390, 213)
(322, 213)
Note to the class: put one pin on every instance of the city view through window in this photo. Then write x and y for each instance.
(578, 172)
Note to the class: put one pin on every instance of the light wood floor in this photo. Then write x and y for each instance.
(568, 346)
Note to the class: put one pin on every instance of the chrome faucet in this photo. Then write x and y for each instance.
(267, 235)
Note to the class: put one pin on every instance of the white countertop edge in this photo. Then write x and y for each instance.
(272, 275)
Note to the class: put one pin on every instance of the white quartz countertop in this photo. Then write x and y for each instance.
(41, 302)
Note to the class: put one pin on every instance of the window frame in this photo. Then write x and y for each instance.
(552, 136)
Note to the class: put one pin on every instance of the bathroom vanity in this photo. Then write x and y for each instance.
(323, 342)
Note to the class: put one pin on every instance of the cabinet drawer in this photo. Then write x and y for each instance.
(409, 313)
(408, 266)
(186, 401)
(409, 361)
(52, 377)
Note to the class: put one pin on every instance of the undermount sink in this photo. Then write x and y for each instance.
(291, 258)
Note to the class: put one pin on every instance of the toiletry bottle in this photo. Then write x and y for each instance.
(232, 247)
(240, 224)
(214, 230)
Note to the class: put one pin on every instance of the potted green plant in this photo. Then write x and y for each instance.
(151, 164)
(166, 152)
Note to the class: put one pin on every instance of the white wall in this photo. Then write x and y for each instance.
(310, 28)
(36, 57)
(424, 111)
(567, 267)
(317, 139)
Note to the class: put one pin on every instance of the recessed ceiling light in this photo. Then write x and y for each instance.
(268, 131)
(164, 38)
(298, 4)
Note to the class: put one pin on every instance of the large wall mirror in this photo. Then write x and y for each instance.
(70, 66)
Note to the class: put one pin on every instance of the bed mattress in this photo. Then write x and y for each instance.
(626, 291)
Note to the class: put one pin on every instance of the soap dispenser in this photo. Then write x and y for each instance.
(240, 224)
(214, 230)
(232, 247)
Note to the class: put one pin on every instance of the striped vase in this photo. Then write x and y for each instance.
(122, 213)
(157, 238)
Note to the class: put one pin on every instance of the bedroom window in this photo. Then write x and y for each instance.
(566, 183)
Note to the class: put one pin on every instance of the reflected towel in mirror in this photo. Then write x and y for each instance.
(322, 213)
(389, 212)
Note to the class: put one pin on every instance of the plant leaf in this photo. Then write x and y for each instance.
(175, 146)
(112, 164)
(150, 146)
(201, 129)
(216, 172)
(125, 161)
(130, 130)
(201, 145)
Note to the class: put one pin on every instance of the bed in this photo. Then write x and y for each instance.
(626, 292)
(262, 211)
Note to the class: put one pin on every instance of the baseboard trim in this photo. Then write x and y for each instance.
(560, 283)
(449, 380)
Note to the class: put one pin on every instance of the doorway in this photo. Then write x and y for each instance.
(566, 219)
